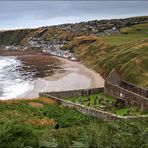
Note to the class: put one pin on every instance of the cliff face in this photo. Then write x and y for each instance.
(13, 37)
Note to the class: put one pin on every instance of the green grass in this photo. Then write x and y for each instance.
(21, 124)
(61, 115)
(123, 38)
(128, 34)
(135, 29)
(78, 130)
(92, 98)
(122, 111)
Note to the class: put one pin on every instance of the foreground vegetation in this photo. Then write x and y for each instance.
(31, 123)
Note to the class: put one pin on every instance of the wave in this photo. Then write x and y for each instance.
(12, 83)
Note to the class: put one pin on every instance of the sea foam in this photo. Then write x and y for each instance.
(12, 83)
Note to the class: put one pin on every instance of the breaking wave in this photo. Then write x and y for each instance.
(12, 82)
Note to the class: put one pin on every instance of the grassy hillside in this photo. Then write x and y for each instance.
(128, 55)
(31, 123)
(128, 34)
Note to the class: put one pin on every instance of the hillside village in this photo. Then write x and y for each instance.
(54, 45)
(100, 27)
(52, 48)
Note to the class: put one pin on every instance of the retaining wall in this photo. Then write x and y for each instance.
(75, 93)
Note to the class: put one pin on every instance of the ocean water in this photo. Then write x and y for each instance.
(13, 82)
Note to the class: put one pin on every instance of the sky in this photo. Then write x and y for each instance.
(31, 14)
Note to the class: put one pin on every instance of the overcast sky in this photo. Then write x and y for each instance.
(29, 14)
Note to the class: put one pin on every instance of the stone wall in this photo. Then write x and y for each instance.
(113, 78)
(90, 111)
(131, 87)
(129, 96)
(131, 93)
(74, 93)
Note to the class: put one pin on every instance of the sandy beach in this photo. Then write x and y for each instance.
(74, 76)
(76, 67)
(71, 75)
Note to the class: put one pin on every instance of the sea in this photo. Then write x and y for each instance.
(13, 82)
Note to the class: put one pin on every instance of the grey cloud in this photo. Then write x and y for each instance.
(15, 14)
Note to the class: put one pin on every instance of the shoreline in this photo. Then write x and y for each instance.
(97, 79)
(76, 76)
(72, 75)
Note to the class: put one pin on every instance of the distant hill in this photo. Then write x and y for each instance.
(102, 45)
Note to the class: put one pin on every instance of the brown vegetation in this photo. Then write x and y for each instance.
(48, 101)
(36, 104)
(40, 122)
